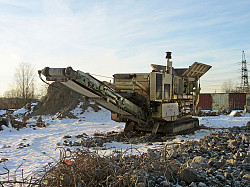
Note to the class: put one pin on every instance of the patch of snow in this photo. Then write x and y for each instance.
(2, 112)
(41, 143)
(224, 121)
(34, 104)
(20, 111)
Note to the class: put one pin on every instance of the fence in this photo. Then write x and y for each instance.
(228, 101)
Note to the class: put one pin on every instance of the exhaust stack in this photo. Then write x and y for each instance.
(169, 62)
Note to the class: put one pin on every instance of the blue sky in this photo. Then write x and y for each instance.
(107, 37)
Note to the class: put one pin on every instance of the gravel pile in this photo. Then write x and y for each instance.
(220, 159)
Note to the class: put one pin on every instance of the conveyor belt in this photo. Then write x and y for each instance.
(97, 91)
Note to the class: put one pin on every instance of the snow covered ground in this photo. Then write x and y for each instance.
(32, 148)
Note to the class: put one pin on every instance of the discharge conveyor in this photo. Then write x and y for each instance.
(96, 90)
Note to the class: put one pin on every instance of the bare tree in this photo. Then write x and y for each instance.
(228, 86)
(24, 84)
(11, 92)
(42, 90)
(24, 81)
(22, 90)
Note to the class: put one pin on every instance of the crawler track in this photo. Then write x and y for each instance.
(181, 126)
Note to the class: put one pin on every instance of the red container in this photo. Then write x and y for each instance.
(237, 101)
(205, 102)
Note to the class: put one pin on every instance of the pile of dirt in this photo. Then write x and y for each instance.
(61, 100)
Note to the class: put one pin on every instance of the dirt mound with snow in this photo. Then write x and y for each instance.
(61, 100)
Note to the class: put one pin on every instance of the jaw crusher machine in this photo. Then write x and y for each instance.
(163, 100)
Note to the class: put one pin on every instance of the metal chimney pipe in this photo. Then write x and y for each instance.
(169, 63)
(168, 55)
